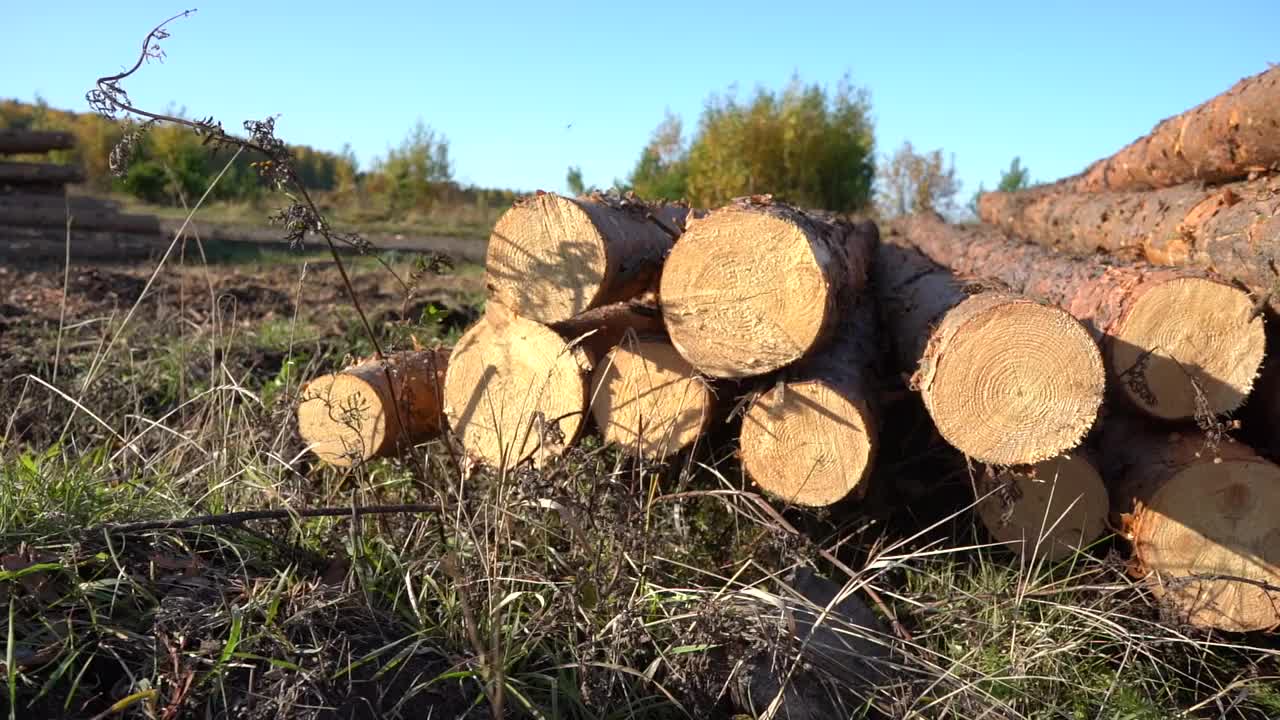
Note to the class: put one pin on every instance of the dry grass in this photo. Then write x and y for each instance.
(594, 587)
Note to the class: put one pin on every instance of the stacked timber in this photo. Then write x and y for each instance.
(36, 211)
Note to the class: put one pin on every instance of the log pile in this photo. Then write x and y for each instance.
(35, 208)
(1094, 392)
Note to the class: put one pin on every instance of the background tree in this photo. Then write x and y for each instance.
(574, 180)
(1015, 178)
(415, 171)
(662, 173)
(911, 182)
(803, 145)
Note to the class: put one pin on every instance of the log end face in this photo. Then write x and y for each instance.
(343, 419)
(649, 400)
(1209, 542)
(1049, 509)
(809, 444)
(513, 392)
(745, 293)
(546, 259)
(1188, 347)
(1013, 382)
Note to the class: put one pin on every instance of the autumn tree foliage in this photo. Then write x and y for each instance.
(805, 144)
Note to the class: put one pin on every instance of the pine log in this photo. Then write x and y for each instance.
(551, 257)
(810, 438)
(648, 400)
(1203, 519)
(753, 286)
(517, 388)
(1179, 343)
(374, 407)
(60, 202)
(16, 173)
(1224, 139)
(1233, 230)
(17, 142)
(45, 215)
(1047, 510)
(1007, 380)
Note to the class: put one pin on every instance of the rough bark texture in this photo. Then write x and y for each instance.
(1006, 379)
(14, 173)
(514, 389)
(754, 286)
(1204, 522)
(17, 142)
(372, 408)
(87, 218)
(1048, 510)
(551, 257)
(1179, 343)
(1224, 139)
(810, 438)
(1233, 230)
(599, 330)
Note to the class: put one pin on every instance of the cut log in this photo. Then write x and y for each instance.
(15, 173)
(88, 219)
(1179, 343)
(648, 400)
(1224, 139)
(753, 287)
(552, 257)
(374, 407)
(1204, 522)
(599, 330)
(17, 142)
(1047, 510)
(1233, 230)
(82, 203)
(1007, 380)
(811, 438)
(515, 388)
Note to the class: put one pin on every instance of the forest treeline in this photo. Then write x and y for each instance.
(806, 144)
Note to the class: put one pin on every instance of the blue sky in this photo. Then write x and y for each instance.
(523, 90)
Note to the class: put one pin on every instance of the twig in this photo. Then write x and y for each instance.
(236, 518)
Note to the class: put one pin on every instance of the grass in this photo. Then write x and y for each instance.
(594, 587)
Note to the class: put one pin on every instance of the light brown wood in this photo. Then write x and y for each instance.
(1047, 510)
(811, 438)
(17, 142)
(1007, 380)
(552, 257)
(1179, 344)
(370, 409)
(753, 287)
(1204, 522)
(648, 400)
(515, 389)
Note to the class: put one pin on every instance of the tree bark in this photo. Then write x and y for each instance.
(1224, 139)
(1180, 344)
(1047, 510)
(17, 142)
(551, 257)
(83, 203)
(754, 286)
(89, 219)
(374, 407)
(1203, 518)
(15, 173)
(1233, 230)
(810, 437)
(1007, 380)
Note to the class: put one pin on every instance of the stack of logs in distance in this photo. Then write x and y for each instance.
(36, 210)
(1095, 389)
